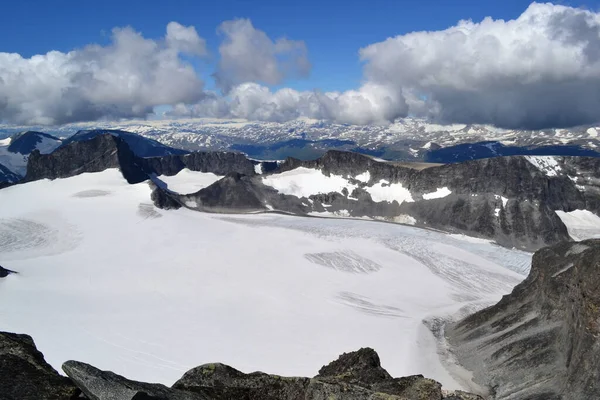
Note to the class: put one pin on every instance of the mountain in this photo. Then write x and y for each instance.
(140, 146)
(407, 139)
(475, 151)
(15, 150)
(541, 340)
(524, 202)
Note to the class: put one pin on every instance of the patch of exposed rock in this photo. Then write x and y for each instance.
(25, 375)
(5, 272)
(542, 340)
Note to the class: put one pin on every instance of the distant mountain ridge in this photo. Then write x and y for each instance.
(407, 139)
(515, 201)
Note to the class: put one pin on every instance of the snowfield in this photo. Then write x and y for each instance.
(106, 278)
(187, 181)
(581, 224)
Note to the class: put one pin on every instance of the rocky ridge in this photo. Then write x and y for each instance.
(354, 376)
(540, 341)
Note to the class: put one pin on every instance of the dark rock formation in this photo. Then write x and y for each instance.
(102, 151)
(105, 385)
(25, 375)
(233, 193)
(219, 163)
(163, 197)
(139, 145)
(356, 375)
(5, 272)
(94, 155)
(540, 341)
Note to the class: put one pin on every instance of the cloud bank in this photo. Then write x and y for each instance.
(539, 70)
(125, 79)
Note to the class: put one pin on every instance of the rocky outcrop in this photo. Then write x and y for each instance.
(542, 340)
(105, 385)
(5, 272)
(233, 193)
(94, 155)
(103, 151)
(219, 163)
(354, 376)
(140, 146)
(25, 375)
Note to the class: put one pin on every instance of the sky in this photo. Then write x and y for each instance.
(508, 63)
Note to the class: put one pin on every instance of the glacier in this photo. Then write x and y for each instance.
(106, 277)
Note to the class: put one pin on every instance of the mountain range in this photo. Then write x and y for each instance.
(520, 201)
(405, 140)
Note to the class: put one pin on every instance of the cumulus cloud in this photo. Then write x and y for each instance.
(126, 78)
(249, 55)
(539, 70)
(371, 104)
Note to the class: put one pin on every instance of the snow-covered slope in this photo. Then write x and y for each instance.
(581, 224)
(107, 278)
(187, 181)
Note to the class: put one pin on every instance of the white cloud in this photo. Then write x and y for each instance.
(127, 78)
(539, 70)
(369, 104)
(185, 39)
(249, 55)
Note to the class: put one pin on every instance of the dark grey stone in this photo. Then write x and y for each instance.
(540, 341)
(25, 375)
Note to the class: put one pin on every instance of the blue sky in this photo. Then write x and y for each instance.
(334, 31)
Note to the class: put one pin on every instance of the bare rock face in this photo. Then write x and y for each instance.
(106, 385)
(542, 341)
(5, 272)
(25, 375)
(94, 155)
(356, 375)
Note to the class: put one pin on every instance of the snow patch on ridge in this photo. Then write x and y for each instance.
(187, 181)
(438, 194)
(364, 177)
(546, 164)
(384, 191)
(304, 182)
(581, 224)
